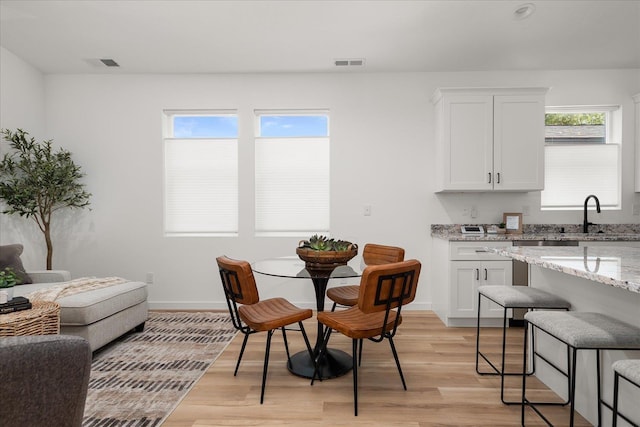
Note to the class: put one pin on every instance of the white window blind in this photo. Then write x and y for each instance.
(292, 186)
(200, 173)
(201, 186)
(572, 172)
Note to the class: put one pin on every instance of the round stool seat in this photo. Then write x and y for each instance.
(629, 369)
(522, 297)
(586, 330)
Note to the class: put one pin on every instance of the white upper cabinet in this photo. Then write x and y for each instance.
(490, 139)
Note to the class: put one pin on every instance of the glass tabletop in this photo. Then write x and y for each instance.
(293, 267)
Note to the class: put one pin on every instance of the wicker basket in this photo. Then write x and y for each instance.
(42, 319)
(325, 260)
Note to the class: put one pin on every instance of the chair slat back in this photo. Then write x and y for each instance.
(238, 281)
(374, 254)
(388, 286)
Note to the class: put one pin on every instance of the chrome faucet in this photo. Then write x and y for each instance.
(586, 223)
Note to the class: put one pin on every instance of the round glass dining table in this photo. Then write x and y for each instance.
(334, 362)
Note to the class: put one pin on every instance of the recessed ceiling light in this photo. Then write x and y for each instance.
(524, 11)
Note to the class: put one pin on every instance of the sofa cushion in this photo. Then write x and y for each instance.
(86, 308)
(10, 257)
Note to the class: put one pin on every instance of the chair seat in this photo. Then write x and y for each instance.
(586, 330)
(630, 369)
(272, 313)
(344, 295)
(355, 324)
(522, 297)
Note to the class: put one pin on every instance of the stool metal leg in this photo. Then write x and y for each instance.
(524, 372)
(570, 375)
(616, 381)
(572, 395)
(616, 413)
(599, 388)
(502, 369)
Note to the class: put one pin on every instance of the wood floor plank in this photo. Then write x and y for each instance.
(438, 364)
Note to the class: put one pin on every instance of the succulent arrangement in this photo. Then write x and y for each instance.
(322, 243)
(8, 278)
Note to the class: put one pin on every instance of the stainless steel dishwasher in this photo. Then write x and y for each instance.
(521, 270)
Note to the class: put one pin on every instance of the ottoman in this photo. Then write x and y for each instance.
(99, 315)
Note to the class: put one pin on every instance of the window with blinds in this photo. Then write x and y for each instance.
(582, 157)
(200, 173)
(292, 179)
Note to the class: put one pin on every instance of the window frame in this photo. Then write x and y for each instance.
(613, 128)
(258, 114)
(168, 116)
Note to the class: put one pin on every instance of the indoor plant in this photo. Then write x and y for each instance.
(8, 280)
(320, 252)
(35, 182)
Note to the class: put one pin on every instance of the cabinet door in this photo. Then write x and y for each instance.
(518, 147)
(467, 142)
(465, 277)
(495, 273)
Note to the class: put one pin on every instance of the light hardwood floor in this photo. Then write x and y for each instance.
(438, 364)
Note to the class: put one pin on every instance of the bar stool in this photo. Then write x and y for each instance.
(509, 297)
(630, 371)
(579, 331)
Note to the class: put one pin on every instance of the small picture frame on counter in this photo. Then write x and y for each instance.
(513, 222)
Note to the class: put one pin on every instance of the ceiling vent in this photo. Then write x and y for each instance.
(354, 62)
(109, 62)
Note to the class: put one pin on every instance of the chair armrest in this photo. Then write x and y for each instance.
(49, 276)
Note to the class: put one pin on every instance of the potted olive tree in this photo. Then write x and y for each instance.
(36, 181)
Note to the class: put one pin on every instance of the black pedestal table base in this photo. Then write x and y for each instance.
(335, 364)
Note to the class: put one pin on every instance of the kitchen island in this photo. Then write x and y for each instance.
(603, 279)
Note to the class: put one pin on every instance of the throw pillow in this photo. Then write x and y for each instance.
(10, 257)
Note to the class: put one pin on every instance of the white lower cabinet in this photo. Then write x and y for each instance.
(467, 276)
(465, 267)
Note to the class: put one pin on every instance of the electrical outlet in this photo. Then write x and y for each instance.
(367, 210)
(526, 210)
(474, 212)
(465, 212)
(636, 209)
(149, 278)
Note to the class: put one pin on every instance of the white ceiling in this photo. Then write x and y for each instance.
(210, 36)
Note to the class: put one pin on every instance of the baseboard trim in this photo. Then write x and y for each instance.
(222, 305)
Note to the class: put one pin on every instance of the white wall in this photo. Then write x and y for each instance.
(381, 155)
(22, 106)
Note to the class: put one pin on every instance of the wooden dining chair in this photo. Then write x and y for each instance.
(250, 315)
(384, 290)
(372, 254)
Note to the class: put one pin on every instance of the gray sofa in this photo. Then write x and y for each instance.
(44, 380)
(99, 315)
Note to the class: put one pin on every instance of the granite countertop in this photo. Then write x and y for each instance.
(610, 232)
(612, 265)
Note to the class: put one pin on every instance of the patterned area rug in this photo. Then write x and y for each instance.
(139, 379)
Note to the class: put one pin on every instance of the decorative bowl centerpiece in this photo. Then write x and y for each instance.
(321, 253)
